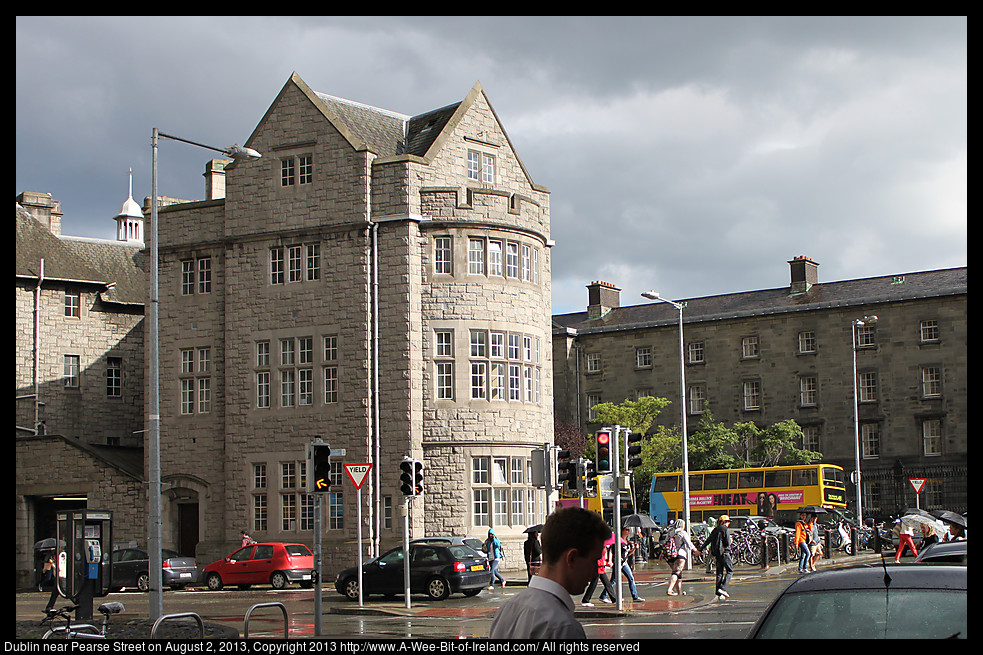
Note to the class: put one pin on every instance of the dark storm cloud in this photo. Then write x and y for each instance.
(690, 155)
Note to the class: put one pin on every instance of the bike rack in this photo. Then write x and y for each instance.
(283, 609)
(182, 615)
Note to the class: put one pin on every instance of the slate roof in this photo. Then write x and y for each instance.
(80, 260)
(388, 133)
(864, 291)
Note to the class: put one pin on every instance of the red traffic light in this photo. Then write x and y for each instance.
(603, 438)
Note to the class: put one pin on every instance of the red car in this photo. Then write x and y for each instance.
(274, 563)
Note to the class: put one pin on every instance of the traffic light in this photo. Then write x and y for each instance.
(417, 477)
(411, 477)
(320, 480)
(590, 479)
(406, 482)
(603, 442)
(566, 470)
(631, 452)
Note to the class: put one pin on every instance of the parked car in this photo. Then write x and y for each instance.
(436, 569)
(913, 601)
(131, 568)
(471, 542)
(275, 563)
(949, 552)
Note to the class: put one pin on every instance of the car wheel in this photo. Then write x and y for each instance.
(350, 588)
(278, 580)
(143, 582)
(438, 589)
(214, 581)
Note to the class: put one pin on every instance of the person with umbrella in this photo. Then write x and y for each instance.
(957, 526)
(532, 550)
(906, 528)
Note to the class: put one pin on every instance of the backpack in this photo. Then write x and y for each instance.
(670, 550)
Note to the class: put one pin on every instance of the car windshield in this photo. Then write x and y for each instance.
(868, 613)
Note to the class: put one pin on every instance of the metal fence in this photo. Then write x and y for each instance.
(887, 491)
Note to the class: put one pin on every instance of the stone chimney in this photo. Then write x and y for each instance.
(602, 297)
(215, 179)
(804, 274)
(45, 209)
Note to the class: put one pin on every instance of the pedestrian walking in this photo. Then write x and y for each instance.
(603, 562)
(573, 541)
(680, 546)
(814, 544)
(493, 547)
(905, 532)
(803, 533)
(532, 551)
(719, 541)
(627, 552)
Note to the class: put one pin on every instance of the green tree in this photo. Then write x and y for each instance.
(658, 449)
(715, 446)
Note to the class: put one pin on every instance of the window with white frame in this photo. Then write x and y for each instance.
(526, 265)
(593, 362)
(807, 342)
(866, 336)
(296, 169)
(932, 437)
(512, 260)
(500, 494)
(476, 256)
(750, 347)
(931, 381)
(481, 166)
(870, 440)
(929, 331)
(752, 395)
(295, 263)
(810, 437)
(697, 398)
(73, 303)
(808, 390)
(114, 377)
(592, 401)
(494, 257)
(442, 254)
(643, 357)
(868, 387)
(695, 351)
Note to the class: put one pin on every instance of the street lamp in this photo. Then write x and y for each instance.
(855, 477)
(237, 152)
(654, 295)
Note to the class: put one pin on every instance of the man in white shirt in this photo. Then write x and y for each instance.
(573, 540)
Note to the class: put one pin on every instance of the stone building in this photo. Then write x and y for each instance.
(79, 365)
(766, 356)
(376, 279)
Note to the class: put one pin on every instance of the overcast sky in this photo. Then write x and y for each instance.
(692, 156)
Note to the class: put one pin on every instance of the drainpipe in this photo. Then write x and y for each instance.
(377, 454)
(37, 342)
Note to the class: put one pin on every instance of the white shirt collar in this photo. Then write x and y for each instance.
(553, 587)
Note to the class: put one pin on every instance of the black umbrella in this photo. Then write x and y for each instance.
(812, 509)
(638, 521)
(534, 528)
(952, 517)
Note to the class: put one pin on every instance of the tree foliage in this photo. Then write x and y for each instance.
(715, 446)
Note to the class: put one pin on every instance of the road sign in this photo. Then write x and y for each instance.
(357, 473)
(917, 483)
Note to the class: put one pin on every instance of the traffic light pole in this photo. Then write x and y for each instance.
(616, 473)
(406, 549)
(317, 565)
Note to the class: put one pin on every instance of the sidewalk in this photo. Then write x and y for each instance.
(654, 571)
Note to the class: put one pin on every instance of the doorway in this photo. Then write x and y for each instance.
(187, 528)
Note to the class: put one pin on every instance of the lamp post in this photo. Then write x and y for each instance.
(654, 295)
(855, 477)
(156, 608)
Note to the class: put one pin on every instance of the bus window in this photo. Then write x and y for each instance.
(665, 483)
(750, 479)
(778, 478)
(715, 481)
(696, 483)
(832, 476)
(804, 476)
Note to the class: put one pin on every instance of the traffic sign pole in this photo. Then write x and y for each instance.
(357, 474)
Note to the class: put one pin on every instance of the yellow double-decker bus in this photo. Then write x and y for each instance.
(749, 491)
(601, 498)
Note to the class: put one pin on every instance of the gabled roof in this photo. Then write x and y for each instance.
(389, 133)
(864, 291)
(79, 260)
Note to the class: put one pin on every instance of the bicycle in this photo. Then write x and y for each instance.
(78, 630)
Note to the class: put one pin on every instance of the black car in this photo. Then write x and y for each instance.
(949, 552)
(913, 601)
(131, 568)
(436, 569)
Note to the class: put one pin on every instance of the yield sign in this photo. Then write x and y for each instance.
(357, 473)
(917, 483)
